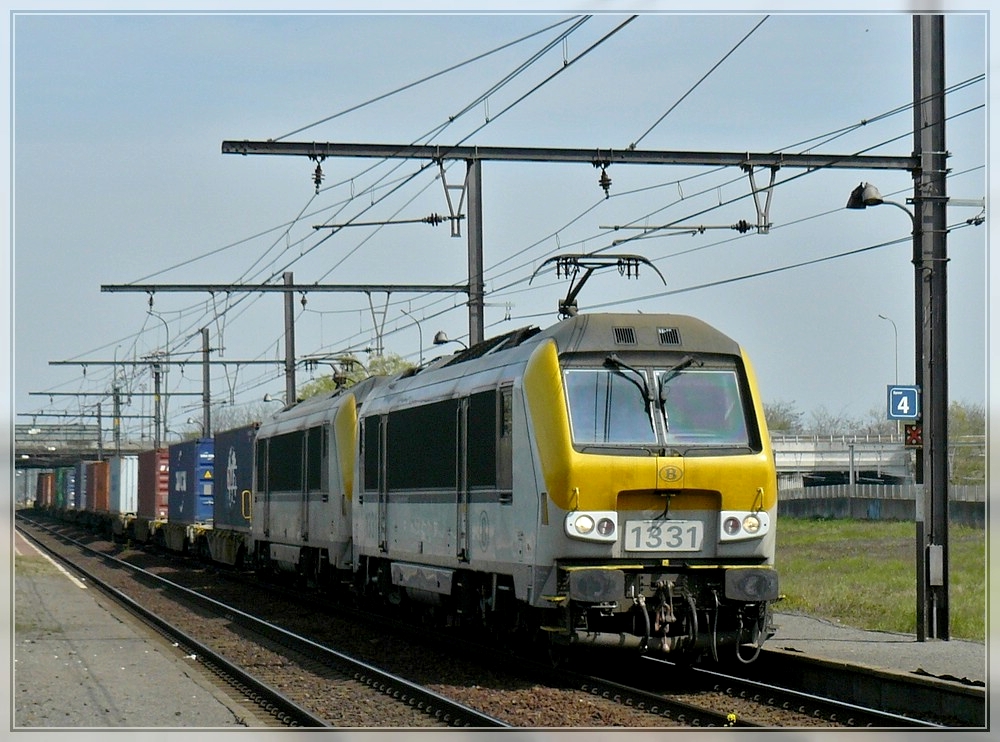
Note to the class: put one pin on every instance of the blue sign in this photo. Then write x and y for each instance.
(904, 403)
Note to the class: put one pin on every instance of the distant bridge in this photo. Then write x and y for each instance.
(52, 446)
(807, 460)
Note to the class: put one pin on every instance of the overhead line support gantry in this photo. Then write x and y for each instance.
(602, 158)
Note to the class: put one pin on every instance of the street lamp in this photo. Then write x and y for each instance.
(866, 195)
(420, 333)
(275, 398)
(441, 337)
(932, 543)
(895, 335)
(156, 373)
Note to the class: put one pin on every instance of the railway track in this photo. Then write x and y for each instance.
(646, 693)
(280, 656)
(831, 710)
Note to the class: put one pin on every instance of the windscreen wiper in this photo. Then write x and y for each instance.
(667, 375)
(616, 364)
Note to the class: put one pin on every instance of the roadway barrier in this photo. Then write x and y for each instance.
(966, 503)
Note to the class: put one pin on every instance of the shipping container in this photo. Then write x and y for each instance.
(123, 484)
(81, 485)
(45, 491)
(26, 491)
(154, 484)
(98, 487)
(234, 477)
(191, 497)
(64, 487)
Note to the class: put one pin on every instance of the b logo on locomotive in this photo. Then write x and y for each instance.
(672, 473)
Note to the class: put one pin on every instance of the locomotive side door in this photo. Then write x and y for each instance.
(505, 446)
(261, 487)
(303, 486)
(315, 453)
(383, 492)
(462, 481)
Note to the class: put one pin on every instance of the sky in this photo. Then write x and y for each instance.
(118, 177)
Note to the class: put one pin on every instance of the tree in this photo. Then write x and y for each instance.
(967, 443)
(352, 371)
(783, 417)
(877, 423)
(228, 418)
(826, 423)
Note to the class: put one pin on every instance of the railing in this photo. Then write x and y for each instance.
(956, 492)
(779, 438)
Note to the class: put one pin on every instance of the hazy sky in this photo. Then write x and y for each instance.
(118, 177)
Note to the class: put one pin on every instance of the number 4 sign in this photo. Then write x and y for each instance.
(904, 403)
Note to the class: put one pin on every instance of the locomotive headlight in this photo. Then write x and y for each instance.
(736, 525)
(599, 526)
(583, 524)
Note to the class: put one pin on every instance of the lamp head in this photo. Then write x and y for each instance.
(863, 196)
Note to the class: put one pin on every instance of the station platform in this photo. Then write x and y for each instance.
(954, 659)
(81, 661)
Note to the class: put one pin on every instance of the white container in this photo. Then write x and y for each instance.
(124, 476)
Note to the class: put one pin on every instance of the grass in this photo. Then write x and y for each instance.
(863, 574)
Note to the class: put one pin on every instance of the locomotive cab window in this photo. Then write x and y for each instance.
(703, 407)
(698, 408)
(608, 406)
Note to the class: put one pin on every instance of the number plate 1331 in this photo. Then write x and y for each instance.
(663, 535)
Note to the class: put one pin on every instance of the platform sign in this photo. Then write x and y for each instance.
(903, 402)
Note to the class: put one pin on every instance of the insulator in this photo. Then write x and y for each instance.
(743, 226)
(605, 182)
(318, 176)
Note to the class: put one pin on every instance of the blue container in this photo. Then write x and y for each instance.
(234, 477)
(191, 481)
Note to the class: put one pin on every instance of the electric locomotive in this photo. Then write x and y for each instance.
(605, 481)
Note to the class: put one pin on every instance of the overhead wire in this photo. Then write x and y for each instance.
(702, 79)
(495, 87)
(428, 78)
(828, 137)
(589, 209)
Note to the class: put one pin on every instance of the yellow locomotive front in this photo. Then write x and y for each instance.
(660, 483)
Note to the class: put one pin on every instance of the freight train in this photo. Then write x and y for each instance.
(607, 481)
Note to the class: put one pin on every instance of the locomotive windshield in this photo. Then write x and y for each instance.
(702, 407)
(609, 406)
(682, 406)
